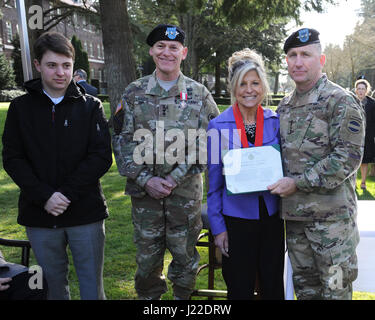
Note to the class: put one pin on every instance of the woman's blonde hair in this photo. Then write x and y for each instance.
(240, 63)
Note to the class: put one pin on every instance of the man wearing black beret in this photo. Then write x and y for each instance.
(322, 137)
(301, 38)
(166, 32)
(166, 191)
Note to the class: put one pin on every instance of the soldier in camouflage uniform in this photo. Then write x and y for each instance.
(322, 136)
(166, 195)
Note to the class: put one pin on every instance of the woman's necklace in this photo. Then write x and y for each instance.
(250, 129)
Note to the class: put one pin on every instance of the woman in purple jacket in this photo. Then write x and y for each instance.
(247, 227)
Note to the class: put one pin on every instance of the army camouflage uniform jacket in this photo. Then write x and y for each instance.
(146, 105)
(322, 138)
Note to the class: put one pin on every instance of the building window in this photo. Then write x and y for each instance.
(75, 19)
(99, 48)
(104, 75)
(84, 23)
(8, 27)
(91, 53)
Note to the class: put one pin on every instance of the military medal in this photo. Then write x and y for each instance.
(183, 99)
(241, 127)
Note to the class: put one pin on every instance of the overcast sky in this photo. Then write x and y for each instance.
(335, 23)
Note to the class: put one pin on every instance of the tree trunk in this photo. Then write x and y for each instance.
(194, 64)
(217, 77)
(118, 48)
(187, 23)
(276, 85)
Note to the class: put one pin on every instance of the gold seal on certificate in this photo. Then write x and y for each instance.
(252, 169)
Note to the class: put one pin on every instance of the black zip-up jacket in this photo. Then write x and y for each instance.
(64, 147)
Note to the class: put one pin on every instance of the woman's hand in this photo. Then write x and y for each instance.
(221, 241)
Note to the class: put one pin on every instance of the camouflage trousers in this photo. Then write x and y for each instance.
(323, 258)
(172, 223)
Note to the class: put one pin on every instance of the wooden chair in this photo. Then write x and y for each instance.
(24, 244)
(214, 261)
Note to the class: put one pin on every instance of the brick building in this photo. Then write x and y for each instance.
(76, 24)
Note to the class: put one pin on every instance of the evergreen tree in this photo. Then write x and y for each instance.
(6, 74)
(81, 59)
(17, 61)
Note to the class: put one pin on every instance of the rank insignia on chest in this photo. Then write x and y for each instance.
(164, 109)
(183, 99)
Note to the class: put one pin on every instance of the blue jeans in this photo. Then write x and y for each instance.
(86, 243)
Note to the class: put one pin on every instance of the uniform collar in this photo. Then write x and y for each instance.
(154, 88)
(310, 97)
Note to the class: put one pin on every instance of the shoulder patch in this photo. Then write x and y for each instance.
(118, 118)
(354, 125)
(119, 108)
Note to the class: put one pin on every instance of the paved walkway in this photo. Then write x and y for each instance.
(366, 248)
(365, 252)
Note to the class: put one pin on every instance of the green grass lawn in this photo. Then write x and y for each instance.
(119, 264)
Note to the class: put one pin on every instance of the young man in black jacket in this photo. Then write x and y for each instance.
(56, 146)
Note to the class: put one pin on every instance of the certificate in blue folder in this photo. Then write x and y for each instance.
(252, 169)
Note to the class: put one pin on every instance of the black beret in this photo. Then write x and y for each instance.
(300, 38)
(168, 32)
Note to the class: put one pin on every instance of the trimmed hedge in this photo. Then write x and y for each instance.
(8, 95)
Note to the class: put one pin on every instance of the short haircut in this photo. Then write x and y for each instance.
(53, 41)
(318, 46)
(239, 64)
(82, 73)
(365, 83)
